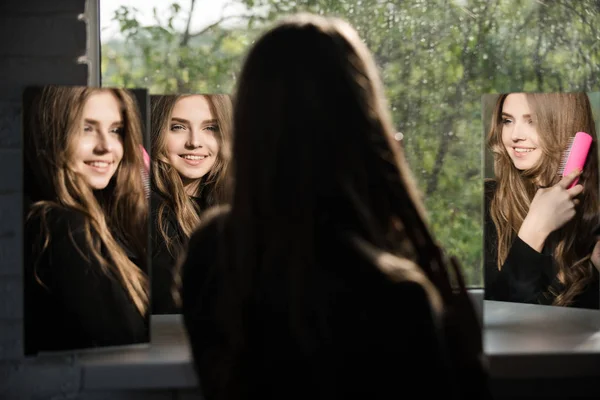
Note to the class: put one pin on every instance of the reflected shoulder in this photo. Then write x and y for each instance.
(490, 186)
(59, 218)
(210, 222)
(156, 199)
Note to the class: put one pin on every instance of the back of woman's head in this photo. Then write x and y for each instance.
(314, 160)
(313, 137)
(315, 165)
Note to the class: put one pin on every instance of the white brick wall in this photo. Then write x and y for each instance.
(40, 44)
(19, 71)
(41, 41)
(19, 8)
(18, 29)
(10, 184)
(9, 123)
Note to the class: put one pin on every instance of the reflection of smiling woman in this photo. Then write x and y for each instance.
(190, 135)
(539, 233)
(84, 262)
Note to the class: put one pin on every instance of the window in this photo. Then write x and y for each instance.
(436, 57)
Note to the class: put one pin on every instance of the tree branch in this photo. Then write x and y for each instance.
(220, 21)
(468, 61)
(581, 16)
(537, 56)
(186, 34)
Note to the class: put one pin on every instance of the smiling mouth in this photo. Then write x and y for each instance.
(522, 150)
(98, 164)
(192, 157)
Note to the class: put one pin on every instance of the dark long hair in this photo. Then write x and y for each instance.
(314, 159)
(52, 123)
(167, 181)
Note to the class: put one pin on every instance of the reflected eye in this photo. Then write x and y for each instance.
(119, 130)
(177, 127)
(506, 121)
(88, 128)
(213, 128)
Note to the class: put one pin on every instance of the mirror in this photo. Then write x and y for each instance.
(541, 244)
(191, 135)
(85, 218)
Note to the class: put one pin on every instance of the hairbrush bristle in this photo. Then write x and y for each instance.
(146, 182)
(146, 171)
(565, 156)
(575, 156)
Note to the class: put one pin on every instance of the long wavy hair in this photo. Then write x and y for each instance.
(558, 116)
(114, 215)
(314, 158)
(167, 181)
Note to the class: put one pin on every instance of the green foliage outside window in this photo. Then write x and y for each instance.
(437, 58)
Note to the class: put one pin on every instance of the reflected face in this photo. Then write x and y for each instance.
(191, 139)
(519, 133)
(98, 145)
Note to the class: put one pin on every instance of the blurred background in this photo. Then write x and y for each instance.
(437, 59)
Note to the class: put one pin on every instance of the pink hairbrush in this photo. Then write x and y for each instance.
(575, 155)
(146, 171)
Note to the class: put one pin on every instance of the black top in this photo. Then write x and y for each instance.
(382, 338)
(80, 307)
(526, 275)
(163, 261)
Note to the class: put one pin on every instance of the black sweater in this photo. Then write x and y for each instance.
(163, 261)
(526, 275)
(79, 306)
(381, 338)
